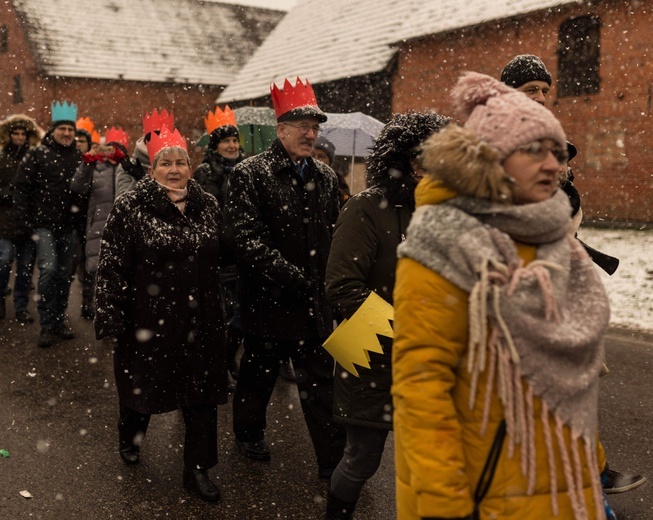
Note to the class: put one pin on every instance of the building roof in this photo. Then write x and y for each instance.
(328, 41)
(439, 16)
(322, 41)
(182, 41)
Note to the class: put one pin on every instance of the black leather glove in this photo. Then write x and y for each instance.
(133, 168)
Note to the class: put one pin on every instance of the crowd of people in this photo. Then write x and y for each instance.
(212, 281)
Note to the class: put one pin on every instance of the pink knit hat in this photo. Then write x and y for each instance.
(502, 116)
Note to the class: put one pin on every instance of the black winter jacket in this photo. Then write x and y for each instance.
(42, 195)
(280, 227)
(158, 294)
(363, 259)
(10, 158)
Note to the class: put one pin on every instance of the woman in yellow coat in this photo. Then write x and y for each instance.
(499, 320)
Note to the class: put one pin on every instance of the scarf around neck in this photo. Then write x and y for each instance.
(547, 321)
(176, 195)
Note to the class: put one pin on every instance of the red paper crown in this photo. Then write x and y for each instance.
(292, 97)
(117, 135)
(219, 118)
(156, 121)
(164, 139)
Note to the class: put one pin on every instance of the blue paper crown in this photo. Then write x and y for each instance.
(64, 111)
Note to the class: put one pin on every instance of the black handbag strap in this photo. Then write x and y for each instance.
(490, 467)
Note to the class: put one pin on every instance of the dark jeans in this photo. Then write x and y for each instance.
(360, 461)
(200, 441)
(314, 367)
(23, 251)
(54, 256)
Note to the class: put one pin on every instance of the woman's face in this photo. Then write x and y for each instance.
(172, 169)
(535, 169)
(229, 147)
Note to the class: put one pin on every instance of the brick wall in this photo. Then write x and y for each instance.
(612, 129)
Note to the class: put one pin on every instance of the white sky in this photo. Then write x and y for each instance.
(284, 5)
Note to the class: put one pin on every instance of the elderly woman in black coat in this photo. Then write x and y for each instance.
(158, 295)
(362, 259)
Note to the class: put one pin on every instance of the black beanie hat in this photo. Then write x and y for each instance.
(322, 143)
(221, 133)
(524, 68)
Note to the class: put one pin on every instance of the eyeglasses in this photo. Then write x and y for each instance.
(538, 151)
(305, 127)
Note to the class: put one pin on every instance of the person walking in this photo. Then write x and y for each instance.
(499, 324)
(362, 260)
(280, 212)
(45, 206)
(158, 295)
(94, 180)
(222, 155)
(18, 135)
(528, 74)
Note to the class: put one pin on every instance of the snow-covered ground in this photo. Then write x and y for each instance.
(630, 288)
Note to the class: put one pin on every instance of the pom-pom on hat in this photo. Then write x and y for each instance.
(502, 116)
(164, 139)
(156, 121)
(524, 68)
(295, 102)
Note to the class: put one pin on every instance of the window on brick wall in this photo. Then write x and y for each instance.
(4, 38)
(18, 90)
(579, 55)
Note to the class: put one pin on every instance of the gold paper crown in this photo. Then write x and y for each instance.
(219, 118)
(156, 121)
(117, 135)
(164, 139)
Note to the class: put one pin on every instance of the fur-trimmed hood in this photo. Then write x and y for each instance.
(34, 131)
(467, 165)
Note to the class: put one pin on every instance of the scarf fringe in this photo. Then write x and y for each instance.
(499, 356)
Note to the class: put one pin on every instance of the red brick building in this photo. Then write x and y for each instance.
(600, 56)
(111, 60)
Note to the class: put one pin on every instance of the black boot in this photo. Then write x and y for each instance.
(337, 509)
(198, 481)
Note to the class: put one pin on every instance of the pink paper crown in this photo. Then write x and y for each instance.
(164, 139)
(117, 135)
(292, 97)
(156, 121)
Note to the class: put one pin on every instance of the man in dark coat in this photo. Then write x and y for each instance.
(281, 209)
(18, 134)
(44, 205)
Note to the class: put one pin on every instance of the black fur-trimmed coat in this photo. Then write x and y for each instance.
(158, 294)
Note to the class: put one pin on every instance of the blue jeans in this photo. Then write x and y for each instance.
(54, 257)
(23, 252)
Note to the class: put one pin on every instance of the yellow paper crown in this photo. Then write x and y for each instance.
(219, 118)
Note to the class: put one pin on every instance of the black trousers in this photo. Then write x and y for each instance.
(201, 439)
(314, 367)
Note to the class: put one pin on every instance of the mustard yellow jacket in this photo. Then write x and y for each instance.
(439, 449)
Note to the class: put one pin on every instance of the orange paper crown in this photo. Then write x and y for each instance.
(292, 97)
(117, 135)
(165, 139)
(156, 121)
(219, 118)
(87, 124)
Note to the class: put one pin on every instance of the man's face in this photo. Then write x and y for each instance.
(82, 143)
(321, 155)
(18, 136)
(536, 90)
(64, 135)
(298, 136)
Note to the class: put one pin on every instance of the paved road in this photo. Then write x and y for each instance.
(58, 420)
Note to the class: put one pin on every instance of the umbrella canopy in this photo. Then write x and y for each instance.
(352, 134)
(257, 128)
